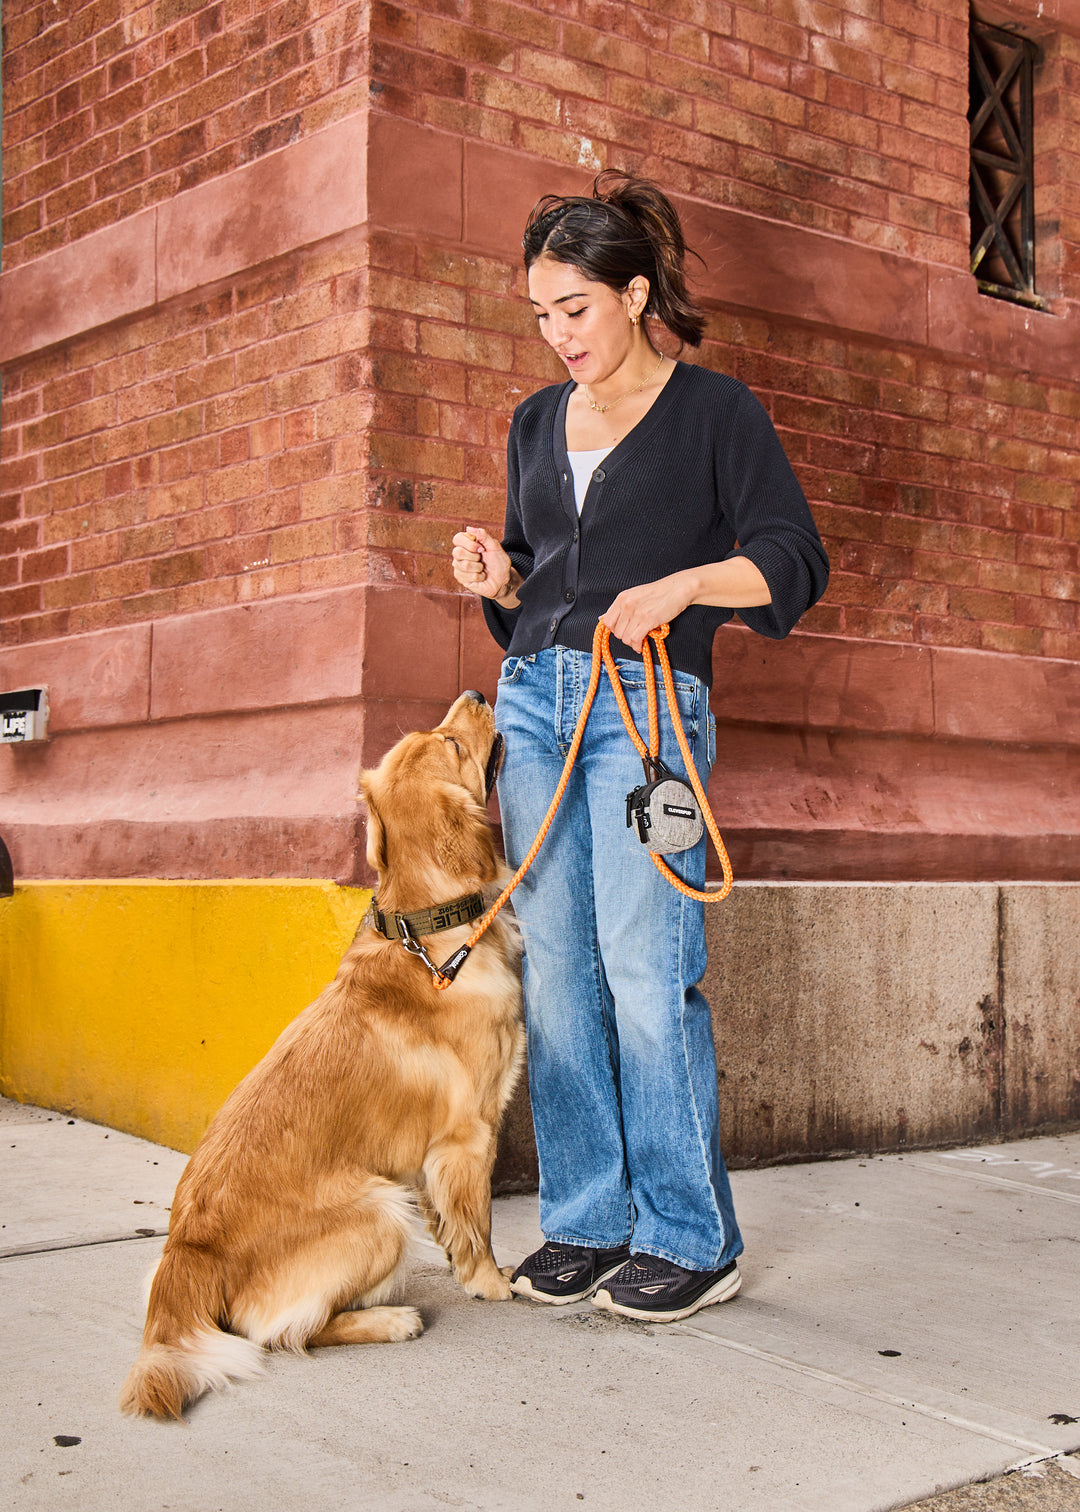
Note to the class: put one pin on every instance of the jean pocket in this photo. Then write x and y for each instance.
(689, 695)
(689, 698)
(512, 668)
(632, 675)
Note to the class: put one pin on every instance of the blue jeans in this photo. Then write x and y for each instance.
(622, 1067)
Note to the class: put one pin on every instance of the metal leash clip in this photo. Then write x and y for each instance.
(444, 974)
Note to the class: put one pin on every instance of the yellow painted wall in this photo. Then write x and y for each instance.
(141, 1004)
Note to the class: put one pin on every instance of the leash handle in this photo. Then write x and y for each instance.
(659, 635)
(603, 634)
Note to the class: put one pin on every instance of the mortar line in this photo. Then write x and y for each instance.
(861, 1388)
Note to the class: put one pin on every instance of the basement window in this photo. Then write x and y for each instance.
(1000, 113)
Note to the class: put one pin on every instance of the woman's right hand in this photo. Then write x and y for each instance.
(482, 566)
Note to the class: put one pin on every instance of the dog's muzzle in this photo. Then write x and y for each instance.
(495, 757)
(498, 746)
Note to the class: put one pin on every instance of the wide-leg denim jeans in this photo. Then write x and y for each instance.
(622, 1067)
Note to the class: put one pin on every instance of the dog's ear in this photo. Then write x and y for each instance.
(463, 835)
(376, 830)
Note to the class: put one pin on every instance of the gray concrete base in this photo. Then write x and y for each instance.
(883, 1016)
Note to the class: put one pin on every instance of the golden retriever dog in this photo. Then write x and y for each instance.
(293, 1216)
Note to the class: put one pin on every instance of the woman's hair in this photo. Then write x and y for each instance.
(628, 228)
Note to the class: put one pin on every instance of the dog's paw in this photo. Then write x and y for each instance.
(402, 1323)
(492, 1288)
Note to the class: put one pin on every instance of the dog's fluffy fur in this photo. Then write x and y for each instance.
(383, 1095)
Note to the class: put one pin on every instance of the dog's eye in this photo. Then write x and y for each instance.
(451, 741)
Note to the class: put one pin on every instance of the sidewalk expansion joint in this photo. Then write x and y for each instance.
(19, 1251)
(998, 1181)
(861, 1388)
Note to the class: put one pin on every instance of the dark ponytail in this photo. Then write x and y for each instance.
(628, 228)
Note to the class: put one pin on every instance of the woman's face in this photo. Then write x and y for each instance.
(586, 323)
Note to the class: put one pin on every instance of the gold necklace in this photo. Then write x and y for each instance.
(602, 409)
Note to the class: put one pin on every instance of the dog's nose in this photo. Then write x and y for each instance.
(474, 695)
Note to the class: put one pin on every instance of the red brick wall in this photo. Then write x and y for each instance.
(111, 107)
(216, 450)
(226, 399)
(219, 451)
(949, 498)
(848, 117)
(1057, 152)
(211, 453)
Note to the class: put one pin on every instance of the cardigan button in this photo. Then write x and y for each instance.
(569, 595)
(554, 624)
(599, 475)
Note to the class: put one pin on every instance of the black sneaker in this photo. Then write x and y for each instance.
(562, 1273)
(663, 1291)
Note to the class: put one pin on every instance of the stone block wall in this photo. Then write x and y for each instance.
(889, 1017)
(857, 1018)
(263, 325)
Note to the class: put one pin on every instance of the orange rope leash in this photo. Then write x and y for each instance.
(601, 653)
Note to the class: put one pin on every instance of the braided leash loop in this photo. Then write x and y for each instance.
(601, 655)
(658, 636)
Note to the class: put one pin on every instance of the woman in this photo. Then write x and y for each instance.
(641, 491)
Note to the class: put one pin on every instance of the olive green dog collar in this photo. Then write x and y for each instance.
(427, 921)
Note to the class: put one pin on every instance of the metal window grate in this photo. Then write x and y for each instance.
(1002, 168)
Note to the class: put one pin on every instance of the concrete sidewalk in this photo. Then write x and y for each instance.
(907, 1324)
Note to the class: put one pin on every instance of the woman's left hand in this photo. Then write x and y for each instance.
(734, 583)
(636, 611)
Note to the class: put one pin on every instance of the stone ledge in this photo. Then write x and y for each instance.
(401, 176)
(231, 738)
(344, 643)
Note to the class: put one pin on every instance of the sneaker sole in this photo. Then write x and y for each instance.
(523, 1287)
(721, 1291)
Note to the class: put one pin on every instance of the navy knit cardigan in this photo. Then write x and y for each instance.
(700, 478)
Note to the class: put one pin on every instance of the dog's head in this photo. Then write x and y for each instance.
(427, 804)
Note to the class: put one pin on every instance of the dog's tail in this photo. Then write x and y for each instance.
(185, 1351)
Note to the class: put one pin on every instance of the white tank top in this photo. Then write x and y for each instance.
(582, 464)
